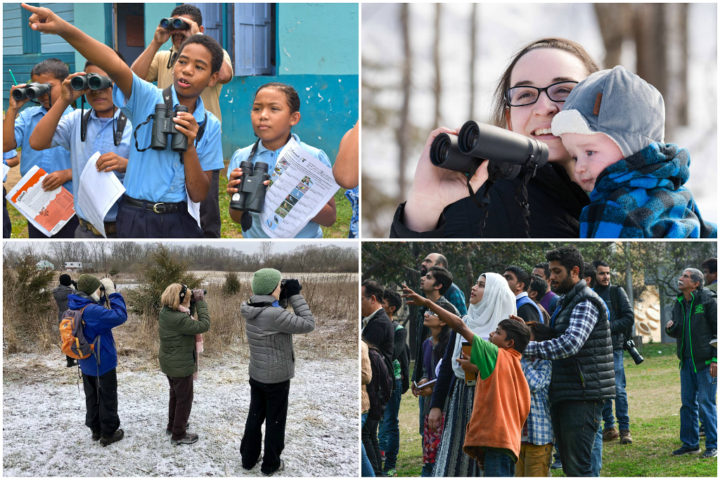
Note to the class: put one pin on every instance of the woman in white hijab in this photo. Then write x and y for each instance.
(491, 300)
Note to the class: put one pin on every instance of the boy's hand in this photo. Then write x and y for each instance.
(186, 33)
(186, 124)
(68, 94)
(111, 161)
(45, 20)
(669, 324)
(516, 318)
(56, 179)
(412, 297)
(467, 366)
(434, 418)
(14, 104)
(161, 35)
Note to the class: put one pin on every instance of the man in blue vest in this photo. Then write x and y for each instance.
(519, 282)
(694, 324)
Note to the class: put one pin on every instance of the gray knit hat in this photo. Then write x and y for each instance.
(617, 103)
(88, 284)
(265, 280)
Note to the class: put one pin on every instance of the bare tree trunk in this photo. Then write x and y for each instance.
(473, 54)
(403, 131)
(437, 88)
(614, 20)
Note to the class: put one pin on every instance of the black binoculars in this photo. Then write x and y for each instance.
(251, 191)
(174, 23)
(31, 91)
(163, 126)
(192, 295)
(629, 346)
(509, 153)
(93, 81)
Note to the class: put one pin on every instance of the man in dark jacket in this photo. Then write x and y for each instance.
(60, 294)
(694, 324)
(621, 322)
(582, 363)
(98, 370)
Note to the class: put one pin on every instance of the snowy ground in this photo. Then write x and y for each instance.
(44, 432)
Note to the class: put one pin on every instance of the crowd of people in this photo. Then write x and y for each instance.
(533, 364)
(169, 192)
(183, 320)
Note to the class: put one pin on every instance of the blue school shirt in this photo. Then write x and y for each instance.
(99, 138)
(158, 175)
(312, 229)
(7, 156)
(52, 159)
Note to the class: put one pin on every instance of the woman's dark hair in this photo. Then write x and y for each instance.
(54, 66)
(190, 10)
(293, 99)
(216, 51)
(499, 102)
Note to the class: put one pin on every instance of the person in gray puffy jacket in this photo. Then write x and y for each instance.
(269, 329)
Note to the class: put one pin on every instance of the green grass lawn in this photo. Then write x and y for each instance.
(654, 397)
(229, 228)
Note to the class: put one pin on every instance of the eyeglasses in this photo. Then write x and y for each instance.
(527, 95)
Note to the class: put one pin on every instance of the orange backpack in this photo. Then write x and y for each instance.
(74, 344)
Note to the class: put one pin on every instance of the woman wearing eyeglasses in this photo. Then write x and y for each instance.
(530, 92)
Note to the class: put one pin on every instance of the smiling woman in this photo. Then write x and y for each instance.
(439, 205)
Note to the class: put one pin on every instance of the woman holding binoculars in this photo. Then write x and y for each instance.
(179, 333)
(446, 203)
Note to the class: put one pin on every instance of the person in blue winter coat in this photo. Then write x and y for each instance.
(98, 370)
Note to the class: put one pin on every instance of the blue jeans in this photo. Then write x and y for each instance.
(389, 433)
(621, 402)
(498, 464)
(697, 394)
(597, 453)
(576, 423)
(365, 465)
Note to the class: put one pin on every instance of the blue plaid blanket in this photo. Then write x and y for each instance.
(643, 196)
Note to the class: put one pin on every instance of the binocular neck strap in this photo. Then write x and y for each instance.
(83, 119)
(172, 58)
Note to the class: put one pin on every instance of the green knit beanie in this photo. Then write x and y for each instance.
(265, 280)
(88, 284)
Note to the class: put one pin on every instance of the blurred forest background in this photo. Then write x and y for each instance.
(433, 65)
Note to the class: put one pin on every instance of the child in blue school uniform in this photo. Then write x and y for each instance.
(159, 183)
(275, 110)
(107, 131)
(17, 131)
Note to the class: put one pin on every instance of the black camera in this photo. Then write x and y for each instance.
(163, 126)
(251, 191)
(509, 153)
(31, 91)
(192, 295)
(174, 23)
(629, 346)
(93, 81)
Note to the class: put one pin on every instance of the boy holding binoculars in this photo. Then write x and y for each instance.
(103, 129)
(46, 78)
(159, 182)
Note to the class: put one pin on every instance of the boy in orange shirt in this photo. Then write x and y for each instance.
(502, 395)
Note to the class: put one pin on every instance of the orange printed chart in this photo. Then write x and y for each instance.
(47, 211)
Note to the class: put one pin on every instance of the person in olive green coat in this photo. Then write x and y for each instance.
(178, 358)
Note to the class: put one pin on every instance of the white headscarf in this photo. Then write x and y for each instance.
(497, 303)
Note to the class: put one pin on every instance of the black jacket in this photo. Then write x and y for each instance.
(703, 327)
(555, 205)
(380, 333)
(622, 316)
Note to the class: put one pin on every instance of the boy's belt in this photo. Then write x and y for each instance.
(110, 227)
(155, 207)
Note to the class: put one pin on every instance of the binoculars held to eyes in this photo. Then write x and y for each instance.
(93, 81)
(163, 126)
(509, 153)
(251, 191)
(174, 23)
(31, 91)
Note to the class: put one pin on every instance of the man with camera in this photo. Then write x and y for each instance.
(270, 328)
(694, 324)
(622, 319)
(155, 65)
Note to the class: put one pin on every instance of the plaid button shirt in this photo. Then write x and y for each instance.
(538, 427)
(582, 320)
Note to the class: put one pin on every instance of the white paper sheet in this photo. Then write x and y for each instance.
(97, 193)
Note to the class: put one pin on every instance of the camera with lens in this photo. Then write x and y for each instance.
(163, 126)
(251, 190)
(192, 295)
(509, 153)
(629, 346)
(93, 81)
(31, 91)
(174, 23)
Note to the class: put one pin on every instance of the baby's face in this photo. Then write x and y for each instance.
(592, 154)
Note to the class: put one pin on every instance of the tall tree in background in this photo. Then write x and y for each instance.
(403, 130)
(473, 54)
(437, 64)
